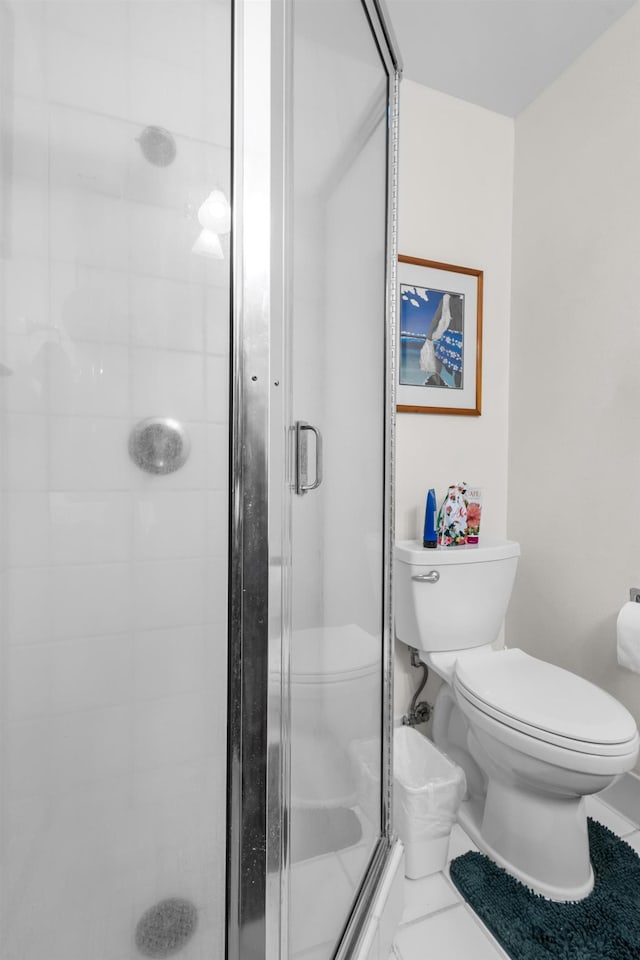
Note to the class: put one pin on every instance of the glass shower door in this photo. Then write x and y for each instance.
(339, 162)
(114, 325)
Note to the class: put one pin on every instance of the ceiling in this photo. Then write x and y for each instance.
(498, 54)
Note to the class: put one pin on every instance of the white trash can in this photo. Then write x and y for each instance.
(428, 790)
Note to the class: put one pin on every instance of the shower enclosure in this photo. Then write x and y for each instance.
(195, 488)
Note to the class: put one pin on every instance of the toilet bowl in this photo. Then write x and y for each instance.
(534, 739)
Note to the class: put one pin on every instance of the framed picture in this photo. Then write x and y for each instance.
(439, 338)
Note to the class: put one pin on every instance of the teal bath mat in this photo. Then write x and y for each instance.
(603, 926)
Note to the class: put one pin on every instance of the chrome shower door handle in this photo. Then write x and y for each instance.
(302, 484)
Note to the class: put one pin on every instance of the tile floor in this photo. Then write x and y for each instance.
(437, 921)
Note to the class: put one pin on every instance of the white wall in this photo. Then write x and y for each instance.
(455, 206)
(574, 462)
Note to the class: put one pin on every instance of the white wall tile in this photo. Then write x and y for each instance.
(70, 322)
(90, 527)
(170, 31)
(89, 378)
(183, 184)
(25, 295)
(98, 747)
(216, 573)
(217, 466)
(25, 391)
(217, 389)
(28, 73)
(28, 528)
(28, 681)
(89, 673)
(217, 73)
(217, 320)
(169, 524)
(27, 452)
(167, 384)
(89, 228)
(29, 607)
(85, 71)
(157, 184)
(27, 757)
(216, 272)
(182, 786)
(90, 453)
(168, 593)
(167, 314)
(100, 20)
(88, 151)
(91, 600)
(26, 817)
(161, 242)
(169, 662)
(216, 666)
(89, 303)
(26, 216)
(171, 730)
(170, 93)
(216, 526)
(27, 137)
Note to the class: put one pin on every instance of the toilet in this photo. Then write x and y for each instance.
(533, 739)
(335, 704)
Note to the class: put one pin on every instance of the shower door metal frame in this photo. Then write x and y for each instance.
(362, 910)
(261, 470)
(255, 767)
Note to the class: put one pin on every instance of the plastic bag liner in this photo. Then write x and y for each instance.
(429, 787)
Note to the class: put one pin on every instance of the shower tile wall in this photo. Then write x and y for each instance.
(114, 586)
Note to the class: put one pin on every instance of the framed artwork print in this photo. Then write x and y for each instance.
(439, 338)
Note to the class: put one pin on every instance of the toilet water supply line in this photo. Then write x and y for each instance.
(418, 712)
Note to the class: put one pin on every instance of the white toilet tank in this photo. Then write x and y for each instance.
(452, 598)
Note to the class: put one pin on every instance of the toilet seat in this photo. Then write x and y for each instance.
(545, 702)
(558, 754)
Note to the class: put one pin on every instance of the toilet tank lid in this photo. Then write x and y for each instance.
(489, 548)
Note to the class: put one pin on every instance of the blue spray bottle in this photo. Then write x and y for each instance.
(430, 535)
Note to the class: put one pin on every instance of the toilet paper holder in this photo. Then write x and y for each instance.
(634, 594)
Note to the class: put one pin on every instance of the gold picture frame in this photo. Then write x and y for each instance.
(439, 338)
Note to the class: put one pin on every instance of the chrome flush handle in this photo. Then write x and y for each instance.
(432, 577)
